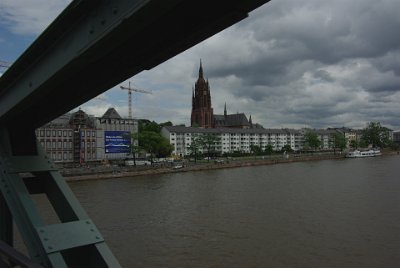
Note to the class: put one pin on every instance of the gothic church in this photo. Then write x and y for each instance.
(203, 114)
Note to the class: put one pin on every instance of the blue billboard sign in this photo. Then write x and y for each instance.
(117, 142)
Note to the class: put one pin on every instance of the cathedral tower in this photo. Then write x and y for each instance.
(202, 112)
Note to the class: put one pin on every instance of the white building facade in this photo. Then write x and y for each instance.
(233, 139)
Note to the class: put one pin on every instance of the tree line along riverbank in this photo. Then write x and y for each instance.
(107, 172)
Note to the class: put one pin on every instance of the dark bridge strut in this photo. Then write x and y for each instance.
(90, 47)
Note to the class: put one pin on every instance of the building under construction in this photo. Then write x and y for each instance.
(79, 138)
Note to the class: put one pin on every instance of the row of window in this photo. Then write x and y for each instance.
(246, 138)
(68, 156)
(65, 144)
(53, 133)
(88, 133)
(56, 144)
(237, 134)
(63, 133)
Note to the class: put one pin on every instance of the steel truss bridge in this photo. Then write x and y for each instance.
(89, 48)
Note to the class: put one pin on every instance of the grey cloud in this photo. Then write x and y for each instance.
(388, 62)
(29, 17)
(323, 75)
(291, 63)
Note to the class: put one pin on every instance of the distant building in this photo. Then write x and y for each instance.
(84, 137)
(233, 139)
(56, 138)
(327, 138)
(80, 138)
(238, 120)
(396, 137)
(203, 114)
(114, 135)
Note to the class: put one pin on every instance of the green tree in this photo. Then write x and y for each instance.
(134, 148)
(255, 149)
(362, 143)
(339, 141)
(269, 149)
(194, 147)
(208, 142)
(166, 124)
(376, 135)
(353, 144)
(145, 125)
(287, 148)
(311, 140)
(154, 144)
(165, 148)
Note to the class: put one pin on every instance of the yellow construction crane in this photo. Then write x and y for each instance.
(130, 89)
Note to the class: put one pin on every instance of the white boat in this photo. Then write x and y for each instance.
(178, 166)
(358, 153)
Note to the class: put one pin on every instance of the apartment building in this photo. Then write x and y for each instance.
(232, 139)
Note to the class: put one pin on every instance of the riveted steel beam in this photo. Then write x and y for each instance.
(94, 45)
(90, 47)
(74, 242)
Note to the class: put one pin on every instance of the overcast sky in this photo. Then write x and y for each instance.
(291, 63)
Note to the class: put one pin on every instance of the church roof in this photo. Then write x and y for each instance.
(222, 130)
(231, 120)
(111, 113)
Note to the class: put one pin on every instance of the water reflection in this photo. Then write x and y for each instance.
(342, 213)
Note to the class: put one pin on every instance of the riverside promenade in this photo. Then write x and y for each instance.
(119, 172)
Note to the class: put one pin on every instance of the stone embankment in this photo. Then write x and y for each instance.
(132, 172)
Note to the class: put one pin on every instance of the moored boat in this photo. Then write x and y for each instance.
(359, 154)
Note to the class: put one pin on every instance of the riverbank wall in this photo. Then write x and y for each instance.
(198, 167)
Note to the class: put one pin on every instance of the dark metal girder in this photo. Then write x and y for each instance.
(94, 45)
(90, 47)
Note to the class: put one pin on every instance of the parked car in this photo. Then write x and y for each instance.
(139, 162)
(143, 163)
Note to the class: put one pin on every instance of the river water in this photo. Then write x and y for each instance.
(332, 213)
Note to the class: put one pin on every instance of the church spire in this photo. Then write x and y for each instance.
(193, 99)
(250, 122)
(201, 75)
(202, 111)
(225, 110)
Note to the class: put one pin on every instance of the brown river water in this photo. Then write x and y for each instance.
(331, 213)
